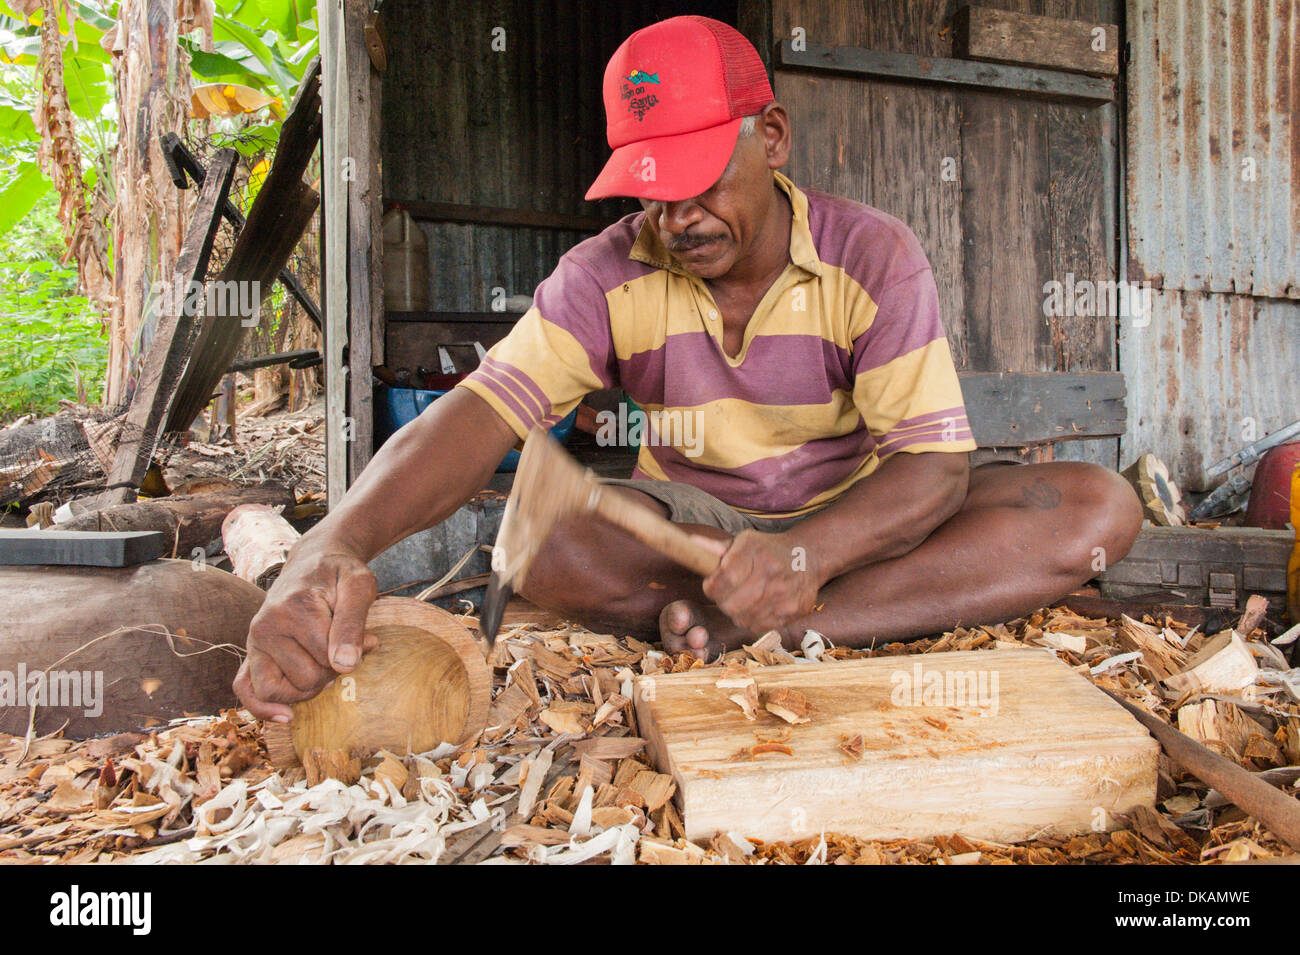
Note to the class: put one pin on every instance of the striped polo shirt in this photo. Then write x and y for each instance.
(843, 363)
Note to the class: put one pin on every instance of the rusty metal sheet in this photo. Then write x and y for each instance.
(1209, 374)
(1213, 145)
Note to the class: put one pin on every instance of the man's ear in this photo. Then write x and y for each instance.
(774, 123)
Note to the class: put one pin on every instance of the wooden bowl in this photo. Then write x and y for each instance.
(426, 683)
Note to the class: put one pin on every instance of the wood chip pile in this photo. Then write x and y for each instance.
(560, 776)
(287, 448)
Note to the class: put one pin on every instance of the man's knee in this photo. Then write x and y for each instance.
(582, 570)
(1102, 517)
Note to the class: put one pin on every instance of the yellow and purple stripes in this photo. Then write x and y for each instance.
(844, 362)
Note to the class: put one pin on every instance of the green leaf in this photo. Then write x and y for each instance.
(304, 54)
(16, 124)
(280, 15)
(220, 68)
(240, 55)
(93, 15)
(306, 19)
(255, 45)
(19, 48)
(24, 191)
(88, 47)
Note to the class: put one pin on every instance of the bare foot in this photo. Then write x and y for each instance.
(704, 632)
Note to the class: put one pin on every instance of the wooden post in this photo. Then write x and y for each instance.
(334, 222)
(364, 234)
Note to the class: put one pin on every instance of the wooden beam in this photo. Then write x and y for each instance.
(899, 748)
(906, 68)
(1024, 39)
(81, 548)
(1014, 409)
(491, 215)
(492, 318)
(184, 165)
(280, 213)
(173, 343)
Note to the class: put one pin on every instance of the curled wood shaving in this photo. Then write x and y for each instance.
(789, 705)
(747, 700)
(762, 749)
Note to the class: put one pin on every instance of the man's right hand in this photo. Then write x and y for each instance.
(309, 630)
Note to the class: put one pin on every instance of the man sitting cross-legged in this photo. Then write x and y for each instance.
(798, 334)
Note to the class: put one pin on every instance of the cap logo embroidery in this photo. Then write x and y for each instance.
(635, 94)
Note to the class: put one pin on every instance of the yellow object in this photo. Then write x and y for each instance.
(1293, 565)
(227, 99)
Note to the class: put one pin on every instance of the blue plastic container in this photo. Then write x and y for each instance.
(395, 407)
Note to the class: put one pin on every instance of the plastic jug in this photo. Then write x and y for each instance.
(406, 263)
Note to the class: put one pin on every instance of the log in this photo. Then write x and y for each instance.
(1001, 745)
(133, 679)
(1279, 812)
(257, 541)
(188, 521)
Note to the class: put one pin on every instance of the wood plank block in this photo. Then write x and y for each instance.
(80, 548)
(1001, 745)
(1195, 560)
(989, 77)
(1007, 409)
(1001, 36)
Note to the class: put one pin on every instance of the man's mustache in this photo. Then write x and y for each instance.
(684, 243)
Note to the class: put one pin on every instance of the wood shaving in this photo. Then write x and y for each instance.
(789, 705)
(203, 790)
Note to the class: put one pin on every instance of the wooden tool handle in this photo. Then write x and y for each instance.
(656, 532)
(1279, 812)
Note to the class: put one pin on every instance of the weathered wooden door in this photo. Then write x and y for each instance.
(1008, 190)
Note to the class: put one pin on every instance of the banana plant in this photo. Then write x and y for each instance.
(259, 47)
(88, 78)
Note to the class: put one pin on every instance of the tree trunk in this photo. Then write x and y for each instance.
(153, 97)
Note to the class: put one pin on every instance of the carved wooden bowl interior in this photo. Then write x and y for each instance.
(426, 683)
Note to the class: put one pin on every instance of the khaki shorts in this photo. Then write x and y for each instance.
(687, 504)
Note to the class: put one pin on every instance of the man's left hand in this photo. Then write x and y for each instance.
(763, 581)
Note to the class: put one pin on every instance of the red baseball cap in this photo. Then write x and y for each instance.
(675, 94)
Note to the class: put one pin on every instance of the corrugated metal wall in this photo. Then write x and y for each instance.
(1214, 164)
(1213, 204)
